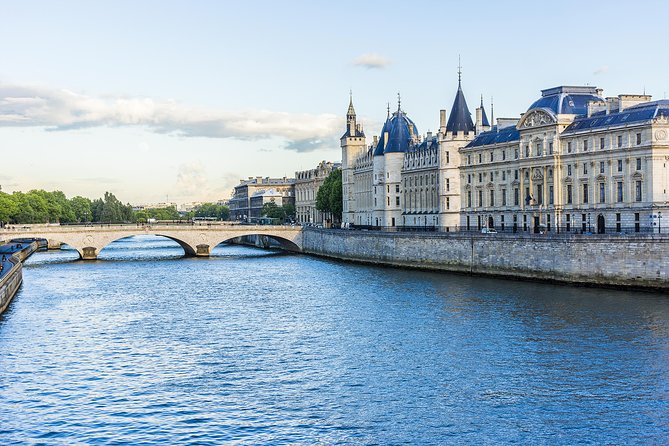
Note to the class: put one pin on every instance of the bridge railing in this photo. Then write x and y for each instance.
(42, 228)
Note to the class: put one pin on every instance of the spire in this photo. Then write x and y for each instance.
(388, 117)
(399, 102)
(492, 112)
(351, 110)
(484, 117)
(460, 119)
(459, 71)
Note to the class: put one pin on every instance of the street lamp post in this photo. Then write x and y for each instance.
(659, 222)
(589, 226)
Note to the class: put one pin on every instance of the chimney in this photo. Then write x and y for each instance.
(376, 140)
(479, 120)
(442, 121)
(429, 136)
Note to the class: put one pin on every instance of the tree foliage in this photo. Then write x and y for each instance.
(329, 197)
(213, 210)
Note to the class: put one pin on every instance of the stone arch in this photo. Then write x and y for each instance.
(285, 242)
(91, 253)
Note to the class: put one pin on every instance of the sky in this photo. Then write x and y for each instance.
(179, 100)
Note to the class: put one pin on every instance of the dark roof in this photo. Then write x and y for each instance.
(495, 136)
(400, 130)
(425, 144)
(638, 113)
(484, 119)
(460, 119)
(567, 100)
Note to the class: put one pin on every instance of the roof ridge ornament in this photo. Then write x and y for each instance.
(399, 102)
(459, 70)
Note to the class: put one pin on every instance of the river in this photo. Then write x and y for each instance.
(258, 347)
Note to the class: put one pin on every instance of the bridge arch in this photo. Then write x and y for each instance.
(285, 242)
(189, 251)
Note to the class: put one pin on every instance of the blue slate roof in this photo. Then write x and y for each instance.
(400, 130)
(425, 144)
(495, 136)
(567, 100)
(635, 114)
(460, 119)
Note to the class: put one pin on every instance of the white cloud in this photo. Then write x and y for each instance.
(371, 61)
(191, 179)
(601, 70)
(59, 110)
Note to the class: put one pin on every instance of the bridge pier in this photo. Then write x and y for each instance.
(53, 244)
(202, 250)
(89, 253)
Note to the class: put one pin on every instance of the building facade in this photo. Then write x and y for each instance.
(240, 204)
(575, 161)
(307, 183)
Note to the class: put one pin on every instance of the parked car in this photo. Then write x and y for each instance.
(488, 231)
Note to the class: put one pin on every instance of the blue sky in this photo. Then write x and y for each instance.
(151, 99)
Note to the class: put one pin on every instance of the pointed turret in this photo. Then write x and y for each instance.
(482, 123)
(352, 128)
(351, 111)
(460, 119)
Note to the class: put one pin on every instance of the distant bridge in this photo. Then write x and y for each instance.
(195, 239)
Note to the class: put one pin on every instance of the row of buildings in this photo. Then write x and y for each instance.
(250, 195)
(574, 161)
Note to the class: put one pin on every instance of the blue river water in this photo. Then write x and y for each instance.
(260, 347)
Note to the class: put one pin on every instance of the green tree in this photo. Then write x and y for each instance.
(81, 208)
(272, 210)
(8, 208)
(213, 210)
(329, 197)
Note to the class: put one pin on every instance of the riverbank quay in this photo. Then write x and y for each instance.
(630, 261)
(12, 256)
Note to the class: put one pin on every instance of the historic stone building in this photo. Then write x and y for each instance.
(575, 161)
(241, 202)
(307, 183)
(403, 178)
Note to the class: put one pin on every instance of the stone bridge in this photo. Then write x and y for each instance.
(195, 239)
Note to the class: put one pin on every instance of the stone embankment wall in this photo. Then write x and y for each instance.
(631, 261)
(11, 275)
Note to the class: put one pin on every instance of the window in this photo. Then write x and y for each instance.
(503, 197)
(601, 167)
(568, 222)
(583, 224)
(602, 193)
(448, 158)
(448, 184)
(620, 165)
(469, 159)
(388, 201)
(601, 143)
(637, 195)
(480, 178)
(619, 196)
(516, 174)
(515, 153)
(480, 202)
(638, 164)
(620, 140)
(569, 195)
(540, 149)
(503, 155)
(480, 158)
(551, 200)
(469, 198)
(585, 145)
(540, 193)
(397, 201)
(527, 151)
(516, 196)
(618, 228)
(585, 168)
(388, 187)
(504, 175)
(492, 156)
(550, 148)
(492, 198)
(397, 188)
(568, 170)
(569, 147)
(448, 202)
(469, 178)
(585, 193)
(637, 222)
(638, 139)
